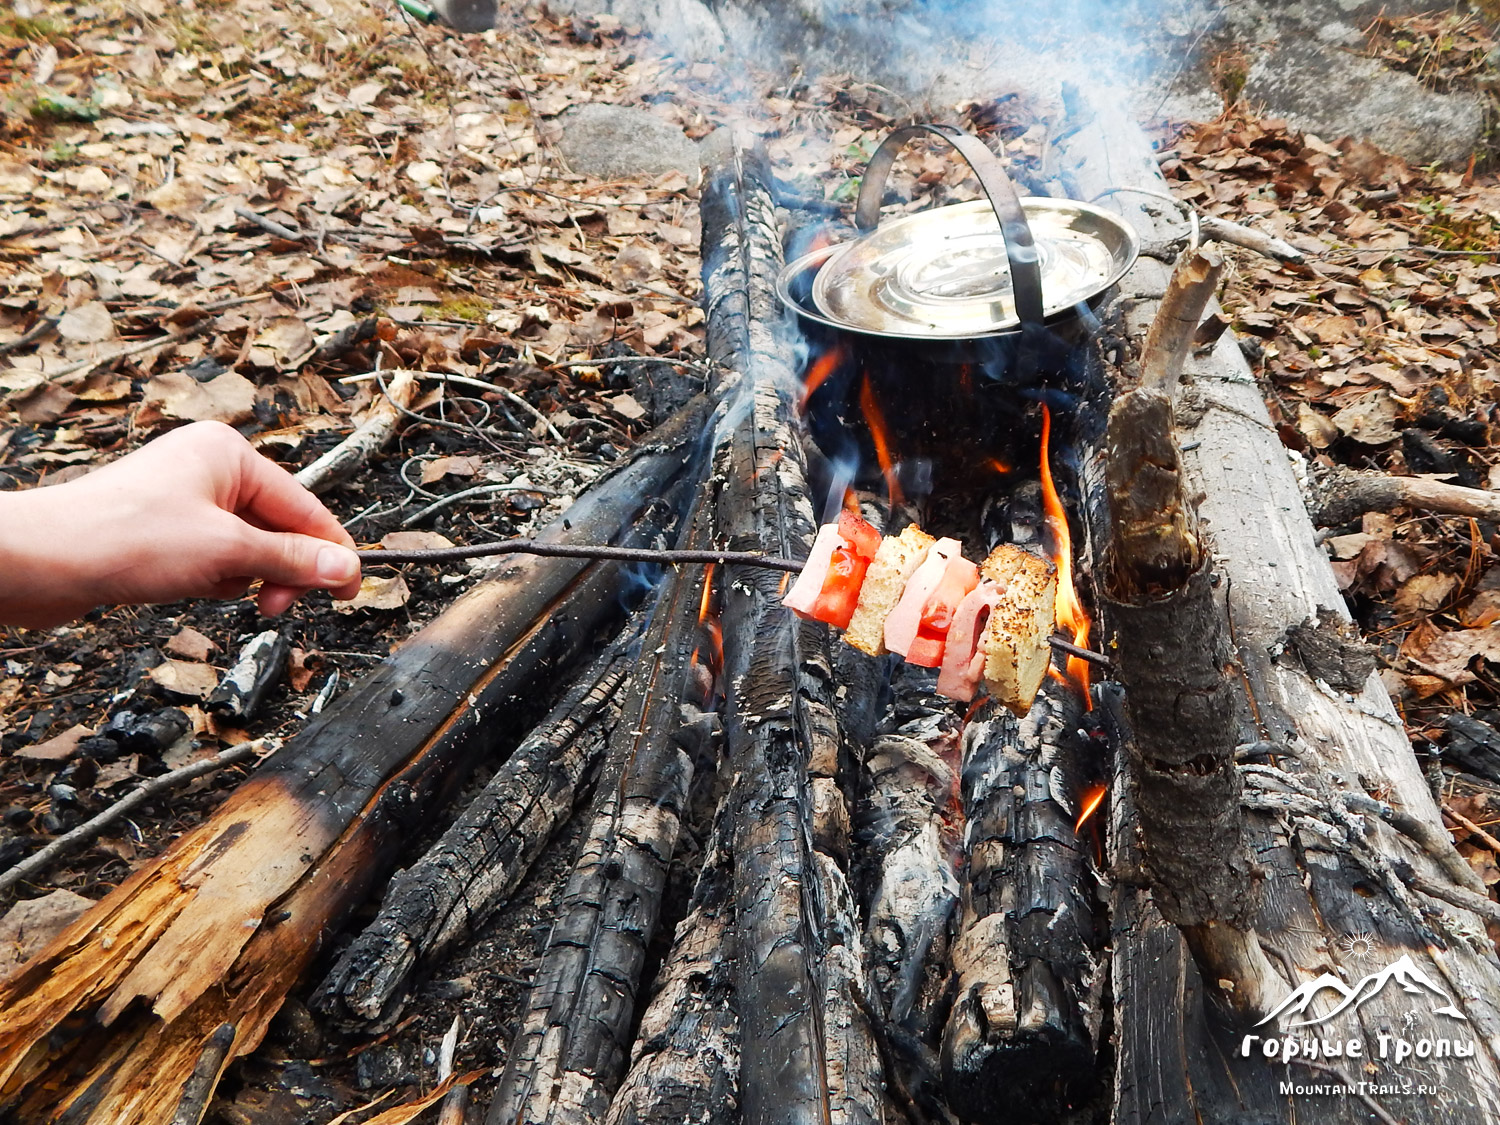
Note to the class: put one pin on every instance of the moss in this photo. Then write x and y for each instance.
(35, 28)
(470, 308)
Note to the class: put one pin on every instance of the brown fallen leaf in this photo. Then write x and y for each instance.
(57, 749)
(181, 677)
(284, 342)
(33, 922)
(301, 667)
(1483, 609)
(229, 397)
(440, 467)
(1424, 594)
(1449, 654)
(89, 323)
(1319, 431)
(1370, 419)
(377, 593)
(414, 540)
(190, 644)
(1380, 567)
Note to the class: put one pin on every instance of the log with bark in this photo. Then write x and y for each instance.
(1331, 900)
(218, 929)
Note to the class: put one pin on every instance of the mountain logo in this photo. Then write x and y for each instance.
(1401, 972)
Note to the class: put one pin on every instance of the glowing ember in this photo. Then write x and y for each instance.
(999, 466)
(1093, 797)
(822, 367)
(1070, 612)
(879, 435)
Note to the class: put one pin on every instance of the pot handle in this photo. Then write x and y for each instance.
(1020, 247)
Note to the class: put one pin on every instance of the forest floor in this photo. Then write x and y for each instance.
(242, 211)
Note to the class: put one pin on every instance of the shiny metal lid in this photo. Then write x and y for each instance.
(943, 274)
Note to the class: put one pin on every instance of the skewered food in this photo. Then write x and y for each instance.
(919, 597)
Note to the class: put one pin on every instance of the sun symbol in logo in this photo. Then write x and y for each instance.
(1358, 945)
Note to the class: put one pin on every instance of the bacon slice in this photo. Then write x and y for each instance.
(963, 662)
(937, 615)
(904, 622)
(803, 595)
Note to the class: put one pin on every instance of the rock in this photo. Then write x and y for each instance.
(1335, 93)
(616, 140)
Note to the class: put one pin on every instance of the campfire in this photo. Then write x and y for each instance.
(807, 885)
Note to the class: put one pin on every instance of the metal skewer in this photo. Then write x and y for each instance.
(635, 554)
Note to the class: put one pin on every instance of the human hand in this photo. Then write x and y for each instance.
(195, 513)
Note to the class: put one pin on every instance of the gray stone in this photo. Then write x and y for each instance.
(617, 140)
(1334, 94)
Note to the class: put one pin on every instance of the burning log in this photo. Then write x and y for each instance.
(779, 715)
(1331, 899)
(221, 926)
(437, 902)
(574, 1041)
(1027, 1010)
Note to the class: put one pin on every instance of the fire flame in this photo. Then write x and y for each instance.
(1093, 797)
(879, 435)
(713, 632)
(822, 367)
(1070, 612)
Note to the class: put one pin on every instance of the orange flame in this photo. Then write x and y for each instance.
(878, 434)
(1093, 797)
(708, 593)
(713, 632)
(1070, 612)
(822, 367)
(999, 466)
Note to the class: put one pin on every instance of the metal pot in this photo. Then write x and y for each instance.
(946, 324)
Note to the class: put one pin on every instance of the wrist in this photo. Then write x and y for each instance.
(36, 573)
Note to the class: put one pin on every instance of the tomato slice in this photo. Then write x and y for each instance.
(858, 534)
(841, 585)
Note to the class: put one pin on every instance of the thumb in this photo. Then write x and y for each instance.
(288, 559)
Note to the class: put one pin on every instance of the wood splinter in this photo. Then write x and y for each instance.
(1172, 656)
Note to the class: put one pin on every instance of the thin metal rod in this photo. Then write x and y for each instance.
(578, 551)
(636, 554)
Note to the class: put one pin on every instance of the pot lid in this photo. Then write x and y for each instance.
(944, 274)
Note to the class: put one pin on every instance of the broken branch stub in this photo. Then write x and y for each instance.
(1194, 281)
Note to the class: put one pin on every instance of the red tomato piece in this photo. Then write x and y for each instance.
(860, 535)
(840, 593)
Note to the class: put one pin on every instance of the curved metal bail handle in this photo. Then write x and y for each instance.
(1020, 247)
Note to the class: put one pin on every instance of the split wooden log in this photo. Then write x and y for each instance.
(1193, 284)
(686, 1060)
(1328, 903)
(480, 860)
(779, 714)
(369, 437)
(1339, 496)
(221, 926)
(1027, 1013)
(572, 1047)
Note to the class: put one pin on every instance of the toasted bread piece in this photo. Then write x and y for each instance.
(1015, 642)
(898, 557)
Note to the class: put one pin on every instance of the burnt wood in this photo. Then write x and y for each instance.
(221, 926)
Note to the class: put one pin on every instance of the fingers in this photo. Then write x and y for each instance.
(295, 563)
(274, 599)
(270, 497)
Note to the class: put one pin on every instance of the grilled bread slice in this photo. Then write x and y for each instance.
(1015, 642)
(898, 557)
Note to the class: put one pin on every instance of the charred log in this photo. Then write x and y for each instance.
(258, 668)
(780, 728)
(1327, 878)
(573, 1045)
(1027, 1011)
(686, 1060)
(1339, 496)
(437, 902)
(152, 970)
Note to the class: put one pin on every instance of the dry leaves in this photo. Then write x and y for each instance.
(185, 678)
(377, 593)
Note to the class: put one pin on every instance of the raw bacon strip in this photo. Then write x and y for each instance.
(903, 623)
(803, 595)
(959, 579)
(963, 662)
